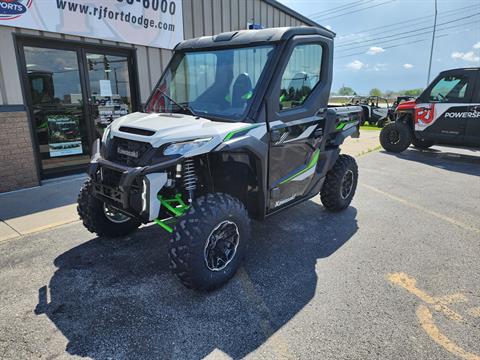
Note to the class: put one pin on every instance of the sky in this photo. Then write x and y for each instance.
(386, 44)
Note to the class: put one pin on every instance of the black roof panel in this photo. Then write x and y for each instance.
(246, 37)
(460, 69)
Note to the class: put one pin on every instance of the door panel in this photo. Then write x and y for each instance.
(442, 122)
(442, 110)
(295, 130)
(293, 159)
(57, 105)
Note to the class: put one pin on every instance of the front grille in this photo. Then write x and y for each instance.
(110, 177)
(129, 152)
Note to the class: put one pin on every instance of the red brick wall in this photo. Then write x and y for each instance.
(17, 159)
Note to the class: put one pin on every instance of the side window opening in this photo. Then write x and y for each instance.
(449, 89)
(301, 75)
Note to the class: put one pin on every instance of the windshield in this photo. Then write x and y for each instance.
(216, 83)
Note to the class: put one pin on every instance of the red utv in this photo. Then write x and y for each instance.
(447, 112)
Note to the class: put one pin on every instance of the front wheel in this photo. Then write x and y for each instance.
(395, 137)
(100, 218)
(340, 184)
(210, 242)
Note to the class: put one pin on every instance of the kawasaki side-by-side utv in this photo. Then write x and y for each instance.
(447, 112)
(237, 127)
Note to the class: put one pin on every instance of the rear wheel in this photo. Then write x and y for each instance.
(421, 144)
(395, 137)
(340, 184)
(100, 218)
(210, 242)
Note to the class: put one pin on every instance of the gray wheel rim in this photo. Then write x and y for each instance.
(394, 136)
(114, 215)
(347, 184)
(221, 245)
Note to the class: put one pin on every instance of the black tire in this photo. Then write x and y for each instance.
(92, 214)
(191, 246)
(395, 137)
(421, 144)
(340, 184)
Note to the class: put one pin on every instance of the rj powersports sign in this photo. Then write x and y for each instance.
(157, 23)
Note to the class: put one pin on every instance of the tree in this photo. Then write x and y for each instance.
(375, 92)
(413, 92)
(346, 91)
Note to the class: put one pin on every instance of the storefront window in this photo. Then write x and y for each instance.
(56, 97)
(109, 82)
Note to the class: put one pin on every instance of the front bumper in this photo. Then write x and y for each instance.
(132, 190)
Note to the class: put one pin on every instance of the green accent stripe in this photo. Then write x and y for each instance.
(343, 124)
(313, 162)
(234, 132)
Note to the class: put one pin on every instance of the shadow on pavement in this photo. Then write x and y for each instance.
(54, 194)
(446, 158)
(117, 298)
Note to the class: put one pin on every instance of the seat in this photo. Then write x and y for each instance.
(242, 90)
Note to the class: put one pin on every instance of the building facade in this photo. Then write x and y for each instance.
(63, 80)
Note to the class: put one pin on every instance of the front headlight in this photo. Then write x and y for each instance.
(181, 148)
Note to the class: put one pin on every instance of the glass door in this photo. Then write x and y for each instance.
(73, 92)
(109, 90)
(53, 80)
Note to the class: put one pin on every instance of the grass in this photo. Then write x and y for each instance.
(369, 150)
(369, 127)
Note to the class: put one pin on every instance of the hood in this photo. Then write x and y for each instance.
(406, 105)
(165, 128)
(160, 128)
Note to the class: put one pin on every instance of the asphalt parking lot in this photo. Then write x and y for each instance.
(395, 276)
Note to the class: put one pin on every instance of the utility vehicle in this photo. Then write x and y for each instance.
(375, 109)
(447, 112)
(236, 128)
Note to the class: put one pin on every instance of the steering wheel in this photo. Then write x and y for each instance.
(441, 97)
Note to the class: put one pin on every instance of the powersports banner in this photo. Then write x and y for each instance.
(156, 23)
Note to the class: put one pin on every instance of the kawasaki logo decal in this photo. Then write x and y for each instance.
(284, 201)
(126, 152)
